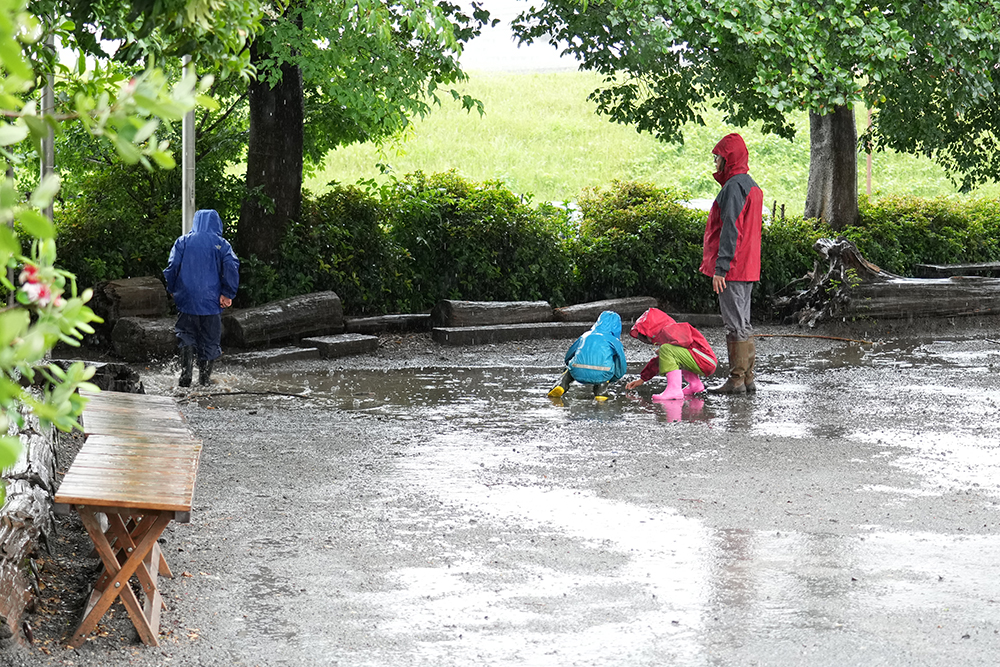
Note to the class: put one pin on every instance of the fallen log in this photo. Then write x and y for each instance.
(629, 308)
(315, 314)
(130, 297)
(448, 313)
(987, 269)
(851, 287)
(143, 339)
(376, 324)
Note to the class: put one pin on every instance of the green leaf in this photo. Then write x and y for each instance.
(12, 133)
(46, 191)
(36, 224)
(10, 451)
(13, 324)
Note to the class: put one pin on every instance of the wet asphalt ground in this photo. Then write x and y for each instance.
(428, 505)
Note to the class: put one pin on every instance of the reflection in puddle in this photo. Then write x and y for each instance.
(622, 552)
(946, 461)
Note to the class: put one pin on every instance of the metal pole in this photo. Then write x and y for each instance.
(48, 142)
(187, 163)
(868, 187)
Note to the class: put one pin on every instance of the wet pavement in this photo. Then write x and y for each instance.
(426, 505)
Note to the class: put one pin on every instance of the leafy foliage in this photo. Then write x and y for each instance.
(897, 233)
(637, 239)
(123, 219)
(478, 241)
(387, 63)
(340, 245)
(928, 69)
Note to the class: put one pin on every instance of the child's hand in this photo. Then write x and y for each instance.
(634, 383)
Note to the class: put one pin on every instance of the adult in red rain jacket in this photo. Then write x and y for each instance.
(731, 257)
(682, 355)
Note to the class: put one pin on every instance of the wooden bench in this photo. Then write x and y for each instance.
(137, 466)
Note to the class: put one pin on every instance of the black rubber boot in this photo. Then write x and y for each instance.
(205, 372)
(601, 391)
(187, 366)
(561, 386)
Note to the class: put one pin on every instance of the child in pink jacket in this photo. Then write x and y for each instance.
(683, 355)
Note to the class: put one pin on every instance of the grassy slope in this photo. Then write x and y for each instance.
(541, 137)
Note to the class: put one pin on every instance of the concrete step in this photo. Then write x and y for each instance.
(501, 333)
(269, 356)
(380, 323)
(341, 345)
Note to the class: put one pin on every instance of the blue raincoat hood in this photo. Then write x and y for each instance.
(202, 267)
(207, 221)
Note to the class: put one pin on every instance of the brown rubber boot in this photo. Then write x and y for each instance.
(738, 351)
(748, 377)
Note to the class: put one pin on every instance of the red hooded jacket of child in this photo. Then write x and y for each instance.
(661, 328)
(732, 234)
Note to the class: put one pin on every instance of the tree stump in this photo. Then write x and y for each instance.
(316, 314)
(851, 287)
(25, 523)
(449, 313)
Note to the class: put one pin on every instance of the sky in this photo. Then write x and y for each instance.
(497, 51)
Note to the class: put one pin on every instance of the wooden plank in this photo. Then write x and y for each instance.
(479, 335)
(121, 397)
(101, 487)
(143, 439)
(126, 500)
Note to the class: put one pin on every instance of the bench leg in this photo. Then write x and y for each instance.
(114, 583)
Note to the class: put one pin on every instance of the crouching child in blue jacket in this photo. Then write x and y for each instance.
(203, 274)
(597, 357)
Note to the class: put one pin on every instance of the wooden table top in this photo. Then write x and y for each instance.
(138, 454)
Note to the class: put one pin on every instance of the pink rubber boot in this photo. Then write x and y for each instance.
(673, 391)
(694, 383)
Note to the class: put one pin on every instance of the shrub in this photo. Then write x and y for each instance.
(897, 233)
(477, 241)
(637, 239)
(108, 232)
(125, 219)
(340, 245)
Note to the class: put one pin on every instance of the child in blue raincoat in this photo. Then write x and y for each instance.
(597, 357)
(203, 274)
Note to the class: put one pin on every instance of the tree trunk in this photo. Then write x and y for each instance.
(274, 163)
(832, 193)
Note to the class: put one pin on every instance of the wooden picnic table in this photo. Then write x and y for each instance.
(137, 466)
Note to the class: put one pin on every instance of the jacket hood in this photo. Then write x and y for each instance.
(733, 149)
(651, 323)
(608, 323)
(207, 221)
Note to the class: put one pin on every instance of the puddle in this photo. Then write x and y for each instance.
(509, 528)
